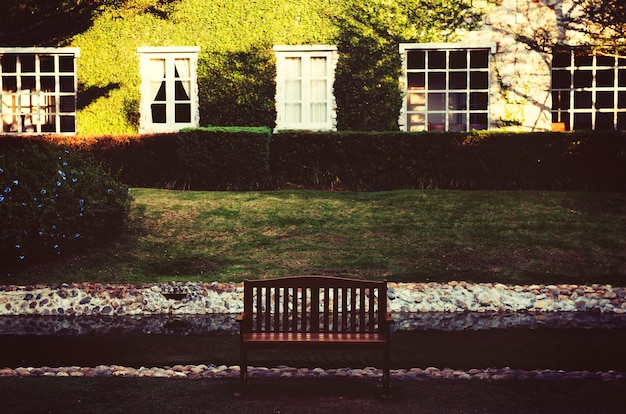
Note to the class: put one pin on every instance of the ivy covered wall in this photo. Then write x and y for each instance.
(236, 71)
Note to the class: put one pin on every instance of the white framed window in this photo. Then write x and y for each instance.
(169, 88)
(446, 86)
(38, 90)
(304, 87)
(588, 91)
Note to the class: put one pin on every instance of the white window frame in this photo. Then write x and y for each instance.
(447, 110)
(38, 96)
(306, 99)
(169, 55)
(566, 106)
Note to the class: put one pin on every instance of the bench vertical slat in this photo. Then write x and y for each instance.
(259, 310)
(326, 308)
(344, 311)
(268, 309)
(335, 309)
(371, 311)
(362, 309)
(286, 309)
(353, 292)
(294, 320)
(303, 314)
(277, 309)
(315, 309)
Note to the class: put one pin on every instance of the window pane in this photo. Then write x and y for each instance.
(46, 63)
(457, 121)
(66, 63)
(416, 122)
(621, 100)
(605, 77)
(416, 101)
(479, 100)
(318, 90)
(293, 90)
(293, 66)
(583, 60)
(159, 87)
(458, 80)
(479, 59)
(416, 59)
(458, 59)
(582, 99)
(605, 61)
(182, 112)
(28, 83)
(68, 104)
(560, 100)
(457, 101)
(67, 123)
(621, 77)
(604, 121)
(66, 83)
(604, 99)
(437, 80)
(436, 101)
(436, 59)
(561, 79)
(181, 90)
(9, 63)
(28, 63)
(182, 68)
(582, 121)
(479, 80)
(583, 78)
(436, 122)
(293, 113)
(318, 67)
(561, 59)
(47, 83)
(156, 69)
(159, 113)
(318, 112)
(479, 121)
(9, 83)
(416, 80)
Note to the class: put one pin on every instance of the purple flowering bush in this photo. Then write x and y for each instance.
(54, 201)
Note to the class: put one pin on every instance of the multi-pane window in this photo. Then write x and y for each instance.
(169, 89)
(304, 87)
(588, 91)
(38, 90)
(447, 88)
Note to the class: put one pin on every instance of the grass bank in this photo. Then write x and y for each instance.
(411, 236)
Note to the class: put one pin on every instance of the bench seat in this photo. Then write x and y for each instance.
(280, 339)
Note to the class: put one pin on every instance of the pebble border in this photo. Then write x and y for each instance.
(185, 298)
(223, 371)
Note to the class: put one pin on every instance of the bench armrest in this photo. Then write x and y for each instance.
(241, 317)
(389, 319)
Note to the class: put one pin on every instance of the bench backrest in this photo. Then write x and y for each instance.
(315, 304)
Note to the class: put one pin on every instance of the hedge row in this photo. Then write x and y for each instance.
(256, 159)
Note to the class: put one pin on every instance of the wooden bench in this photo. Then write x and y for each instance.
(314, 312)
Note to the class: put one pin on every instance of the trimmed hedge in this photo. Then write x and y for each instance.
(245, 158)
(211, 158)
(468, 161)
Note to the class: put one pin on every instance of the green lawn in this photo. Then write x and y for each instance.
(411, 236)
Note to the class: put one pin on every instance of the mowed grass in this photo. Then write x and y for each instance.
(411, 236)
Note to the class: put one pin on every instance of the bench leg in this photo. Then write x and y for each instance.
(243, 374)
(386, 373)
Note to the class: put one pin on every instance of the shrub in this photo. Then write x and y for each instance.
(54, 201)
